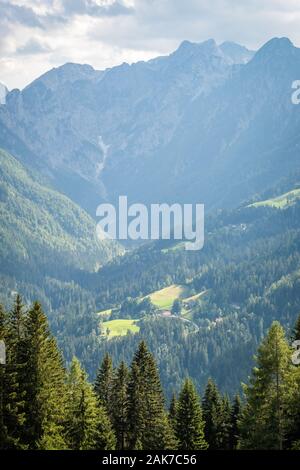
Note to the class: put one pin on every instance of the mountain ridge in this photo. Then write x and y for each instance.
(133, 110)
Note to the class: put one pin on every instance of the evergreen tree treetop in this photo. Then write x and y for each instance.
(104, 380)
(87, 424)
(189, 420)
(264, 423)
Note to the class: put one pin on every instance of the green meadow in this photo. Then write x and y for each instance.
(119, 327)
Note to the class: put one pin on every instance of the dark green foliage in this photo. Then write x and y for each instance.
(44, 384)
(42, 407)
(189, 420)
(87, 424)
(15, 372)
(215, 421)
(296, 330)
(234, 423)
(119, 405)
(133, 308)
(34, 380)
(226, 423)
(104, 381)
(265, 423)
(149, 427)
(177, 307)
(173, 411)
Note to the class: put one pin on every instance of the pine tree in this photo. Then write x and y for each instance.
(15, 373)
(225, 423)
(213, 416)
(119, 402)
(296, 330)
(264, 422)
(189, 421)
(149, 427)
(234, 423)
(137, 408)
(87, 425)
(17, 318)
(44, 384)
(173, 411)
(104, 381)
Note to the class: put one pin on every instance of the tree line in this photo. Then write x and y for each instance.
(43, 405)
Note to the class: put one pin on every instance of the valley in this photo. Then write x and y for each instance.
(149, 231)
(190, 127)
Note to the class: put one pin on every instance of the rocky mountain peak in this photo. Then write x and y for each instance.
(237, 53)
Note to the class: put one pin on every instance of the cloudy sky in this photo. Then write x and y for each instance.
(36, 35)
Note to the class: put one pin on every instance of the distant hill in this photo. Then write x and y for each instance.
(248, 272)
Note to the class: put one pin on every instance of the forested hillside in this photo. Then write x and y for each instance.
(246, 276)
(45, 240)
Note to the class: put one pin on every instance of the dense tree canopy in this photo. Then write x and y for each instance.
(43, 405)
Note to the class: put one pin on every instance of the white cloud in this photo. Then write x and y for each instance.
(107, 32)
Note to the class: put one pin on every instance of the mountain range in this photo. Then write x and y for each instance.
(208, 123)
(105, 131)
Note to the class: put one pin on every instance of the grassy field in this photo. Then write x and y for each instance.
(164, 298)
(281, 201)
(119, 327)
